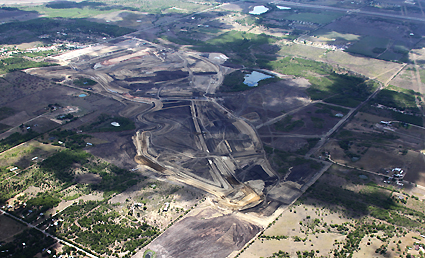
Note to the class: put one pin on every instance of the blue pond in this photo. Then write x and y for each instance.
(253, 78)
(259, 9)
(82, 95)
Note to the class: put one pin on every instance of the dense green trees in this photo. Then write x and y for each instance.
(60, 163)
(16, 139)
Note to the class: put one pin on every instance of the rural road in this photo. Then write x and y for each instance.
(49, 235)
(325, 138)
(356, 11)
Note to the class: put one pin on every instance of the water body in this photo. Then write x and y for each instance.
(82, 95)
(283, 7)
(253, 78)
(259, 9)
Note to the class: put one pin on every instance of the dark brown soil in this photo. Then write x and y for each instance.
(204, 236)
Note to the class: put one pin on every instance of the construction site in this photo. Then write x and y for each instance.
(186, 135)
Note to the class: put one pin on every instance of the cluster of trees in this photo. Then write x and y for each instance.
(26, 244)
(116, 181)
(375, 203)
(71, 139)
(273, 237)
(84, 82)
(234, 82)
(9, 188)
(64, 117)
(16, 139)
(60, 163)
(43, 199)
(77, 210)
(307, 254)
(353, 238)
(102, 228)
(398, 98)
(280, 254)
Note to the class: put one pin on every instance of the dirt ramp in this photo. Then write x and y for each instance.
(208, 232)
(140, 159)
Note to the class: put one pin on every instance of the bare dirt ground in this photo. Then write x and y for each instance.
(116, 148)
(263, 103)
(9, 228)
(96, 196)
(204, 230)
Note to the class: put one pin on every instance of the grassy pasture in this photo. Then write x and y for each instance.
(85, 12)
(396, 97)
(341, 89)
(369, 46)
(18, 63)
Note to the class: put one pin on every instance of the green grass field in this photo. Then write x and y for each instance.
(18, 63)
(369, 46)
(389, 56)
(396, 97)
(68, 12)
(422, 74)
(88, 9)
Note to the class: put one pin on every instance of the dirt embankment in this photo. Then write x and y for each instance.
(142, 160)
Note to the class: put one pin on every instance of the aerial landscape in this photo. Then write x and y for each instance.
(181, 128)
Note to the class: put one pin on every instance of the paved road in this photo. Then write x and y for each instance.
(356, 11)
(49, 235)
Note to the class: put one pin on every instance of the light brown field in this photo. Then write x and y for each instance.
(288, 225)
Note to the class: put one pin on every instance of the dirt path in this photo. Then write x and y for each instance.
(341, 122)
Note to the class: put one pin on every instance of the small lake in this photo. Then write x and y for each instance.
(283, 7)
(253, 78)
(259, 9)
(82, 95)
